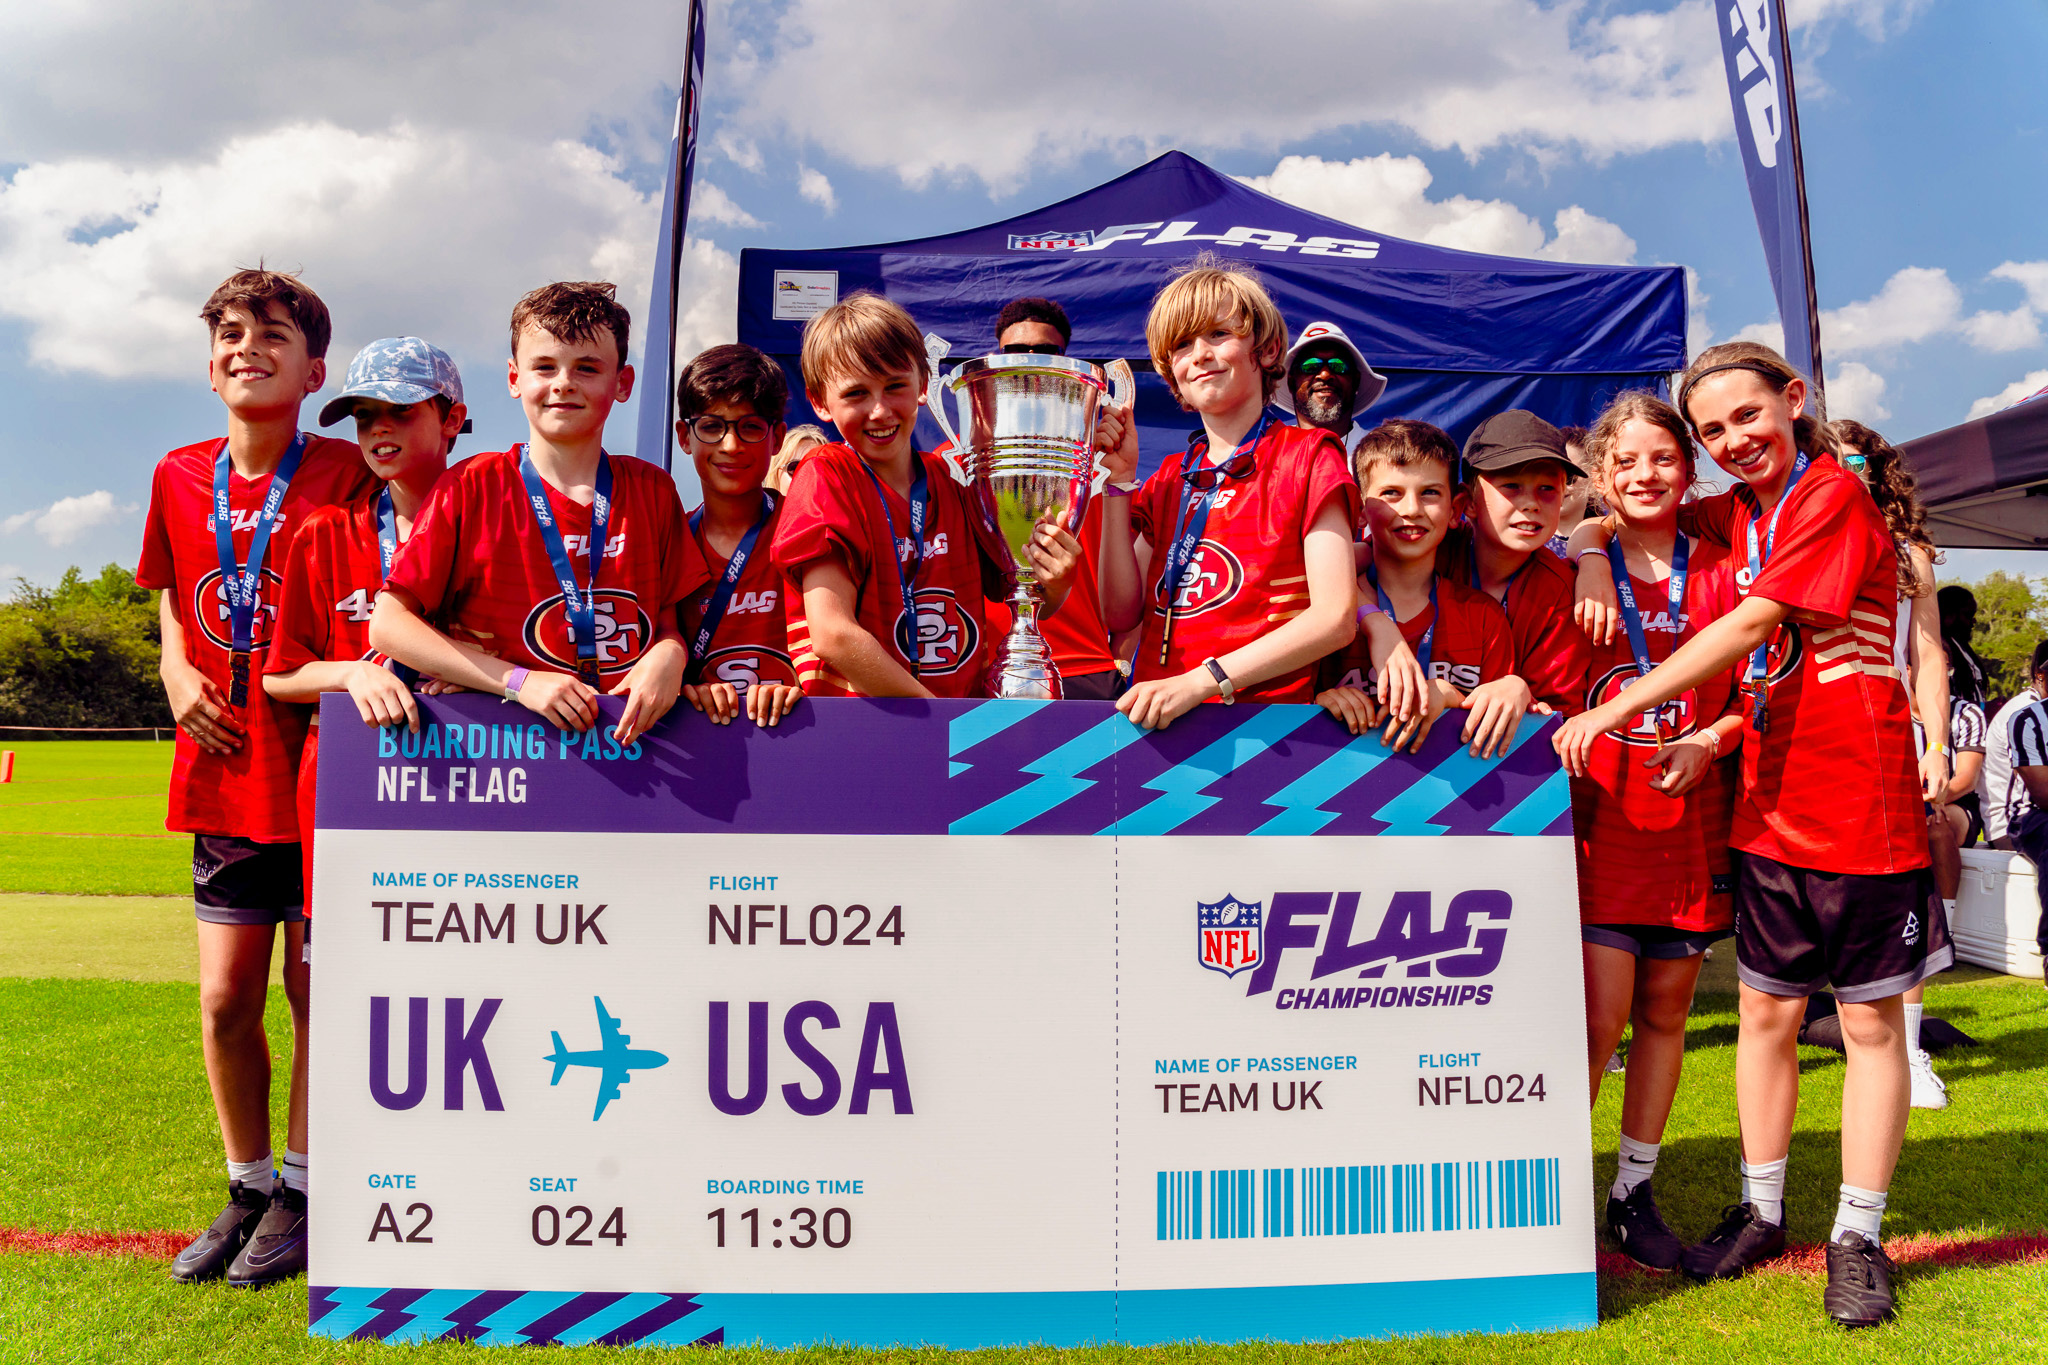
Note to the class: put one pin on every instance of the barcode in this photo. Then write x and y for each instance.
(1349, 1201)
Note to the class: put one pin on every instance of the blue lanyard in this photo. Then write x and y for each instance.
(1422, 649)
(387, 550)
(1193, 520)
(906, 585)
(243, 585)
(1759, 663)
(1638, 642)
(578, 606)
(721, 594)
(1472, 560)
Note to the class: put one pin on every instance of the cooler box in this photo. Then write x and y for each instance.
(1997, 911)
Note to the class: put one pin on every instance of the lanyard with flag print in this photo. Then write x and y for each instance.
(579, 607)
(387, 550)
(243, 585)
(1472, 560)
(1632, 616)
(1757, 684)
(906, 584)
(1422, 646)
(721, 594)
(1193, 519)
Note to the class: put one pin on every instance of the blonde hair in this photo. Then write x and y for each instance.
(1809, 429)
(1208, 291)
(1635, 405)
(800, 441)
(863, 333)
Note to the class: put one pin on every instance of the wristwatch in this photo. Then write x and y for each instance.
(1224, 685)
(513, 682)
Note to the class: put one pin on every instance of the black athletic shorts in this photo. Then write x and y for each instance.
(1868, 937)
(1659, 941)
(239, 881)
(1106, 685)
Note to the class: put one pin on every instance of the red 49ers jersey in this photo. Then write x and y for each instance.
(248, 793)
(477, 567)
(1831, 783)
(330, 586)
(1248, 574)
(833, 508)
(752, 643)
(1471, 644)
(1644, 857)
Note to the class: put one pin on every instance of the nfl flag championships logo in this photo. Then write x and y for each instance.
(1229, 935)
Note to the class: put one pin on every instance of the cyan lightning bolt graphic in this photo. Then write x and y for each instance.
(508, 1323)
(1299, 800)
(1183, 784)
(1057, 775)
(985, 721)
(430, 1321)
(1458, 773)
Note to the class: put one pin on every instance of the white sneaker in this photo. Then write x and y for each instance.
(1929, 1092)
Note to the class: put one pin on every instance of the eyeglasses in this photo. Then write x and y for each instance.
(711, 430)
(1335, 364)
(1034, 348)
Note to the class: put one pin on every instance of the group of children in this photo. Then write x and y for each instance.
(1748, 681)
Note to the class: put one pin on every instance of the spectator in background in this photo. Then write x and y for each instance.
(1038, 326)
(2030, 766)
(1329, 383)
(1958, 622)
(800, 442)
(2005, 799)
(1571, 509)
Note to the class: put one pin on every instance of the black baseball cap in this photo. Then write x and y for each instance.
(1514, 437)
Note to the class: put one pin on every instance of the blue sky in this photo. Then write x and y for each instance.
(422, 182)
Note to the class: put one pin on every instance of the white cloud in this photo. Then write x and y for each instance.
(2031, 276)
(742, 152)
(813, 185)
(1855, 390)
(2012, 393)
(2013, 331)
(68, 519)
(1390, 194)
(710, 204)
(1915, 304)
(1876, 18)
(1698, 331)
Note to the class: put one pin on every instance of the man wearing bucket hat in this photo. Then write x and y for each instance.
(1328, 382)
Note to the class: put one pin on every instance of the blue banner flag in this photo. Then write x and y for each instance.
(658, 364)
(1759, 56)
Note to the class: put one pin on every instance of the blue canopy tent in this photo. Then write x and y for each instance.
(1459, 335)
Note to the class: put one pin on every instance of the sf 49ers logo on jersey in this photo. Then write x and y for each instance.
(623, 631)
(745, 665)
(210, 609)
(943, 637)
(1213, 576)
(358, 605)
(1675, 718)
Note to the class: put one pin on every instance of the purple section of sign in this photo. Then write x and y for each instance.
(913, 767)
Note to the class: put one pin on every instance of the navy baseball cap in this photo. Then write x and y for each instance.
(395, 370)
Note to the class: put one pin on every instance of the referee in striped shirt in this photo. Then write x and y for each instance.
(2029, 739)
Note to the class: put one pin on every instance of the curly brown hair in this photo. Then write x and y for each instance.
(1635, 405)
(1897, 494)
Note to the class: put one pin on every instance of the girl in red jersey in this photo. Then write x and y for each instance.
(1651, 814)
(1832, 882)
(1236, 557)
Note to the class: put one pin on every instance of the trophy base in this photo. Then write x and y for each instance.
(1021, 668)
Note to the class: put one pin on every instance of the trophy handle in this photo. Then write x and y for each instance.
(936, 349)
(1123, 393)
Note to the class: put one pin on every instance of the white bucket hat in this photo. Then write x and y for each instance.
(1371, 383)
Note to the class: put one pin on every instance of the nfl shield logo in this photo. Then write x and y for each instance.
(1050, 241)
(1229, 937)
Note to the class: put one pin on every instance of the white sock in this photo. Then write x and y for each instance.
(1637, 1163)
(293, 1172)
(256, 1175)
(1763, 1185)
(1859, 1211)
(1913, 1014)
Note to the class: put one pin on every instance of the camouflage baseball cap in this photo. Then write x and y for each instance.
(395, 370)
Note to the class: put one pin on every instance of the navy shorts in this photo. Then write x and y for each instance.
(1652, 940)
(1869, 937)
(1107, 685)
(239, 881)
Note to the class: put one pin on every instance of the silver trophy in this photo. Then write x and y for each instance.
(1028, 453)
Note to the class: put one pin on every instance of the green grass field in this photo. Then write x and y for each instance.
(106, 1126)
(110, 790)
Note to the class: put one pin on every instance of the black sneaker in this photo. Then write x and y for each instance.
(1742, 1240)
(208, 1256)
(277, 1247)
(1859, 1290)
(1640, 1230)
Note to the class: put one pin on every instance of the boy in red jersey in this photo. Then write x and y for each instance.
(729, 407)
(1236, 557)
(1458, 636)
(222, 517)
(1516, 474)
(1832, 883)
(558, 567)
(878, 538)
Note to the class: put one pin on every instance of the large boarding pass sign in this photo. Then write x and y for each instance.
(953, 1023)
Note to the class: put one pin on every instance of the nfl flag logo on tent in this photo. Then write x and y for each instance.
(1229, 935)
(1050, 241)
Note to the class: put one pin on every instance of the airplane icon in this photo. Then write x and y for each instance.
(614, 1059)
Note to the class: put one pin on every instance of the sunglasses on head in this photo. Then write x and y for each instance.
(1856, 464)
(1206, 476)
(1034, 348)
(1316, 364)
